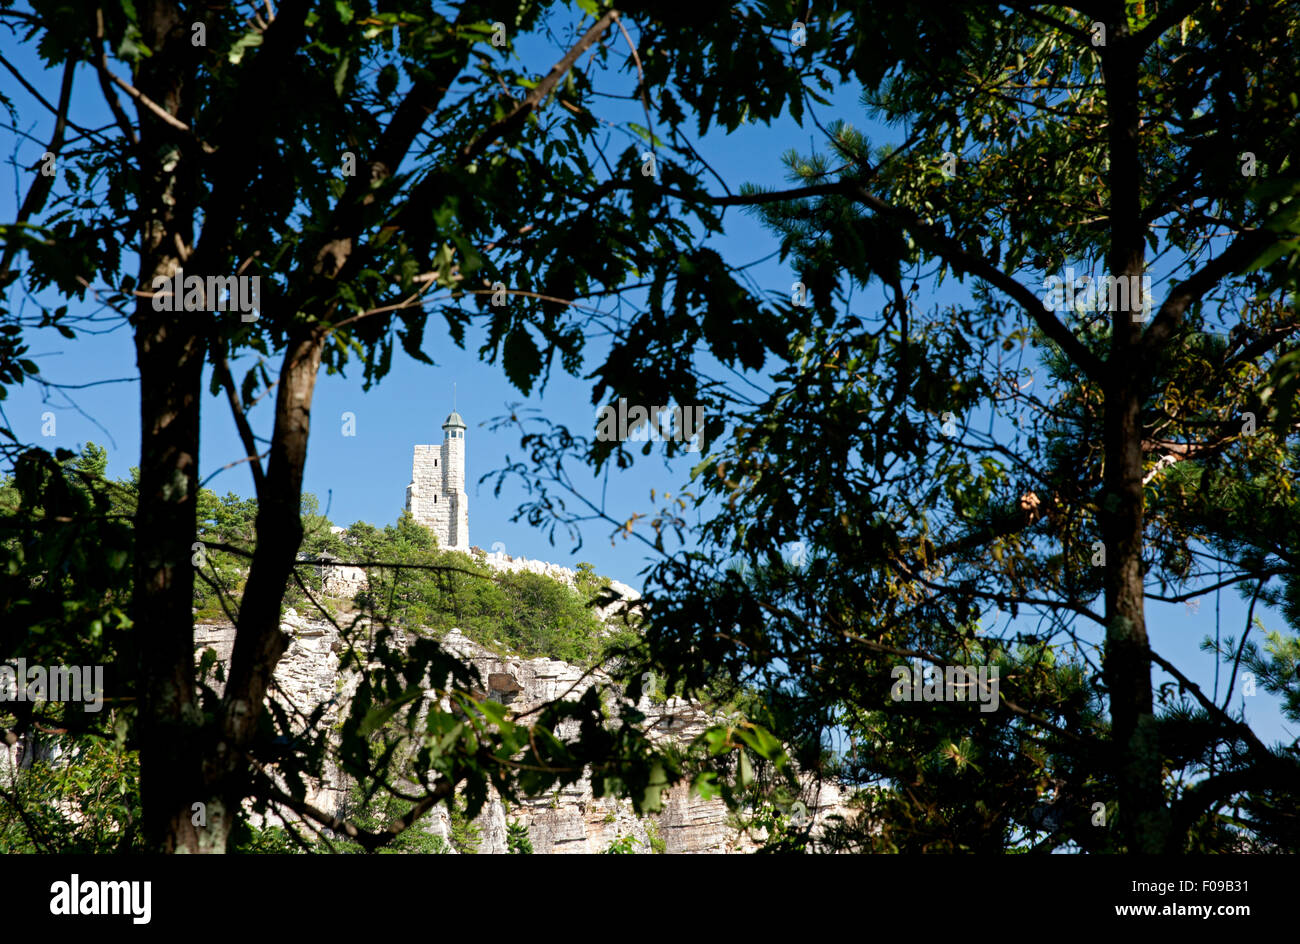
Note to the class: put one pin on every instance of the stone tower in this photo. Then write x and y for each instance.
(436, 497)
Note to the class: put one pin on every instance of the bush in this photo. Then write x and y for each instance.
(517, 840)
(623, 845)
(522, 613)
(519, 613)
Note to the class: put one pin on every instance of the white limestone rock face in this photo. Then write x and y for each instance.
(571, 820)
(343, 583)
(306, 677)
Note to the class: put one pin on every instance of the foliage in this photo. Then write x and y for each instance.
(466, 837)
(521, 613)
(990, 476)
(658, 845)
(66, 805)
(80, 795)
(271, 840)
(623, 845)
(517, 840)
(372, 166)
(374, 812)
(970, 455)
(65, 553)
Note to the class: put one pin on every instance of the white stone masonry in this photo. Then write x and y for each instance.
(436, 497)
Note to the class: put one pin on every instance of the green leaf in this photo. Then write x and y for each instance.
(248, 41)
(645, 134)
(376, 718)
(341, 75)
(706, 786)
(763, 743)
(521, 359)
(746, 769)
(652, 799)
(494, 711)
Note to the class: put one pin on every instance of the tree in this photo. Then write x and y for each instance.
(1027, 449)
(363, 162)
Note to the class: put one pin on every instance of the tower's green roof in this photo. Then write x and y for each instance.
(454, 420)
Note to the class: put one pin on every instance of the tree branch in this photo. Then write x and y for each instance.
(222, 369)
(39, 191)
(1240, 253)
(1243, 730)
(101, 69)
(946, 248)
(519, 114)
(368, 840)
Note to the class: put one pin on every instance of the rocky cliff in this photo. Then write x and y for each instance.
(572, 819)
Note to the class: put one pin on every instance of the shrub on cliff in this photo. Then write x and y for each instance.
(522, 613)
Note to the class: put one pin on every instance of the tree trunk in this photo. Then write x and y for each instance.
(259, 642)
(169, 355)
(163, 599)
(1144, 817)
(1143, 814)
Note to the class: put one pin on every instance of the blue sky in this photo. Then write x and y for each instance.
(363, 477)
